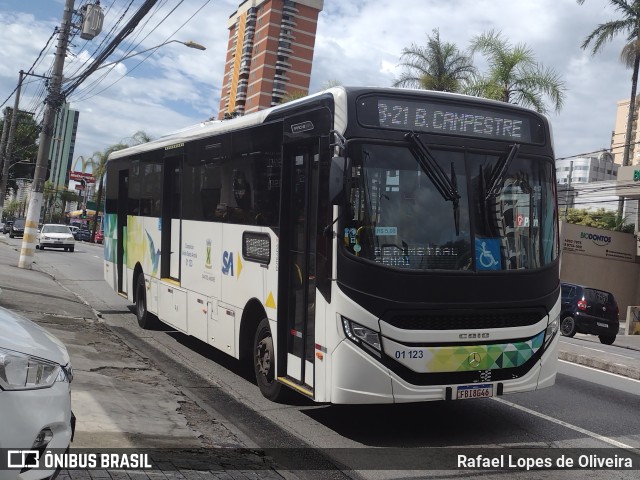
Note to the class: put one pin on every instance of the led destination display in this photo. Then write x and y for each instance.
(447, 118)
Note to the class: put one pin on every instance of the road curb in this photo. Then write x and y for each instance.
(599, 364)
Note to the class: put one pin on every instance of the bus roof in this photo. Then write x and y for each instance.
(339, 93)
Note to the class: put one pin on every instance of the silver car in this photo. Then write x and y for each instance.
(35, 393)
(53, 235)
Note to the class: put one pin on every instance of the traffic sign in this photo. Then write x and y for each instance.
(77, 176)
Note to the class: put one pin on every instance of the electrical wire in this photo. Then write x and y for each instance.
(150, 53)
(127, 30)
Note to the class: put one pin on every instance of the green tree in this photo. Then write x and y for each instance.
(437, 66)
(599, 218)
(25, 149)
(514, 75)
(629, 26)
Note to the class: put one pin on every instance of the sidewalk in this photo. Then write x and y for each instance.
(623, 363)
(119, 398)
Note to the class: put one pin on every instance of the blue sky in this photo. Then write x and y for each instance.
(358, 43)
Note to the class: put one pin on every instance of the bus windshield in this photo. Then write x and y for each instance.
(500, 216)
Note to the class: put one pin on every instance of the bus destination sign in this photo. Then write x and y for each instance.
(451, 119)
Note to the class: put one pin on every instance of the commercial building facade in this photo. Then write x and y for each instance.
(269, 54)
(62, 145)
(620, 131)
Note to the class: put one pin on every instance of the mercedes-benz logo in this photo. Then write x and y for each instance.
(474, 359)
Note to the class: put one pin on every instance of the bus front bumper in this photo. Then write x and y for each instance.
(367, 381)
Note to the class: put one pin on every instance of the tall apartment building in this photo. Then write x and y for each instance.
(269, 54)
(619, 133)
(62, 145)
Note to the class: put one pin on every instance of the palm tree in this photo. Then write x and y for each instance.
(514, 75)
(628, 25)
(438, 66)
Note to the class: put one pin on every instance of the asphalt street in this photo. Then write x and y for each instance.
(124, 400)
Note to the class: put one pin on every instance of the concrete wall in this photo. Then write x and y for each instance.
(601, 259)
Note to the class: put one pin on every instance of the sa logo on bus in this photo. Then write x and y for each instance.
(227, 263)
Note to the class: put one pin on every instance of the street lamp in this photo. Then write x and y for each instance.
(189, 43)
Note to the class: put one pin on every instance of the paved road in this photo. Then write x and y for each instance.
(194, 396)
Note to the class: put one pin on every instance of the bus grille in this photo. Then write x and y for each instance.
(452, 320)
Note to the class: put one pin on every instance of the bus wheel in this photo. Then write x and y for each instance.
(264, 363)
(146, 320)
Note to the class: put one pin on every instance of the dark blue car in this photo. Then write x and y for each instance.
(589, 310)
(83, 234)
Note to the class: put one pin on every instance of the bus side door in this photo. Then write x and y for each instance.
(298, 247)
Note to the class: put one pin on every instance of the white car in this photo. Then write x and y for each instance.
(53, 235)
(35, 393)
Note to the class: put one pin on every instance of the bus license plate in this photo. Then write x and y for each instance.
(474, 391)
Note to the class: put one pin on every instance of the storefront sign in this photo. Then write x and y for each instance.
(597, 242)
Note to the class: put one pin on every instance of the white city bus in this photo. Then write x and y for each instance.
(360, 245)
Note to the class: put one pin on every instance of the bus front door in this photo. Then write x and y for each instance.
(297, 266)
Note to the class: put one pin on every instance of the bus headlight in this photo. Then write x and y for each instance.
(360, 335)
(551, 331)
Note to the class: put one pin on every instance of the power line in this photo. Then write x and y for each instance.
(102, 56)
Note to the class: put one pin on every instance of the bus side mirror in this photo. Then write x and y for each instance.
(337, 177)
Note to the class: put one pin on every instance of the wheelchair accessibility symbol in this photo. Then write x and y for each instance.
(487, 254)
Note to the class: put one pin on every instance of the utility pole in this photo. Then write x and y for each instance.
(566, 192)
(3, 145)
(10, 139)
(52, 103)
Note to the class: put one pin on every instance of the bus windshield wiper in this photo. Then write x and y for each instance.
(497, 177)
(446, 186)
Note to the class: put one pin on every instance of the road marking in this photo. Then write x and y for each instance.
(622, 377)
(598, 350)
(589, 433)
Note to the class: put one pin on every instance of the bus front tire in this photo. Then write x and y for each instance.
(146, 320)
(264, 364)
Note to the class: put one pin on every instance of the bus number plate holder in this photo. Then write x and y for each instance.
(465, 392)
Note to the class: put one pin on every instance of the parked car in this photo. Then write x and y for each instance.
(53, 235)
(589, 310)
(99, 236)
(83, 234)
(35, 390)
(7, 226)
(17, 228)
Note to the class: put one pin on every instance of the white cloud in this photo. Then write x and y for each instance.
(358, 43)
